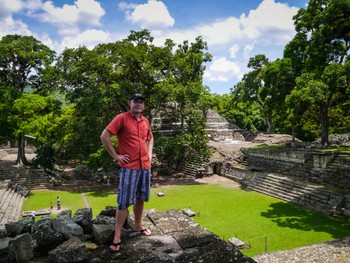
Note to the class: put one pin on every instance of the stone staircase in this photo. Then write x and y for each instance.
(311, 196)
(193, 168)
(10, 206)
(33, 179)
(220, 129)
(3, 154)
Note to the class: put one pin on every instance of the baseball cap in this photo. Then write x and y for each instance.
(137, 96)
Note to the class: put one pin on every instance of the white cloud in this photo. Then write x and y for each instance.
(153, 15)
(89, 38)
(32, 5)
(222, 70)
(220, 31)
(123, 6)
(82, 13)
(10, 26)
(46, 40)
(233, 50)
(247, 51)
(69, 31)
(7, 7)
(270, 23)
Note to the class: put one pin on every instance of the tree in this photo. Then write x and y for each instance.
(22, 59)
(33, 115)
(7, 97)
(279, 80)
(321, 46)
(320, 92)
(252, 88)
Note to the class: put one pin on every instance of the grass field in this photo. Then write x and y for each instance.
(266, 223)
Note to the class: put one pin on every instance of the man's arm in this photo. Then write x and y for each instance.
(107, 142)
(150, 148)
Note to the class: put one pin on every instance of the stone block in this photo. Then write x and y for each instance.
(20, 249)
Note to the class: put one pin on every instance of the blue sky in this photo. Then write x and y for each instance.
(235, 30)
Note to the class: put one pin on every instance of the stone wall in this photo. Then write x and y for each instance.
(327, 168)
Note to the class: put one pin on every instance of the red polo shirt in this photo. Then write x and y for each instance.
(132, 135)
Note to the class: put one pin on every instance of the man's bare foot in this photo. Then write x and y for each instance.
(143, 231)
(115, 247)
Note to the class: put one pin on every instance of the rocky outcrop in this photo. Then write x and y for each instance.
(175, 237)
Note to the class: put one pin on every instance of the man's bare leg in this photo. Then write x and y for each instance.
(120, 217)
(138, 210)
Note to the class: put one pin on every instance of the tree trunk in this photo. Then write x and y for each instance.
(292, 143)
(269, 123)
(21, 156)
(324, 124)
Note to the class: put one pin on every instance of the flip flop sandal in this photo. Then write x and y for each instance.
(145, 232)
(115, 245)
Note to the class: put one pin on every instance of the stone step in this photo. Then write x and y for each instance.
(286, 182)
(6, 174)
(2, 194)
(17, 208)
(3, 154)
(298, 201)
(6, 206)
(293, 189)
(32, 185)
(5, 197)
(294, 193)
(11, 208)
(310, 196)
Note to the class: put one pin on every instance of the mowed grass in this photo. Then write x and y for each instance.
(263, 222)
(39, 200)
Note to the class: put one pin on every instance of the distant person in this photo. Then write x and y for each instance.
(51, 205)
(58, 203)
(135, 146)
(33, 216)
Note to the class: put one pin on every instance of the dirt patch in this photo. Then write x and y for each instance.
(219, 180)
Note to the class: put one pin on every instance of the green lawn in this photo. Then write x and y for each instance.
(39, 200)
(249, 216)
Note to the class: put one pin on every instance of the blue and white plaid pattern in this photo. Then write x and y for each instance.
(133, 185)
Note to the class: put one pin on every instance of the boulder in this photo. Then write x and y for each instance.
(67, 227)
(19, 227)
(45, 238)
(102, 233)
(20, 249)
(71, 251)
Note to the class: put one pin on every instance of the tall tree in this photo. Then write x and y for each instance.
(321, 45)
(252, 88)
(279, 80)
(22, 59)
(33, 115)
(7, 97)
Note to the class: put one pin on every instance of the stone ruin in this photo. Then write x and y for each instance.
(175, 237)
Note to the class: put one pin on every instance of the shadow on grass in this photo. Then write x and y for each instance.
(99, 193)
(291, 216)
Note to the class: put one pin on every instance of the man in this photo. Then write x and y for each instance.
(135, 146)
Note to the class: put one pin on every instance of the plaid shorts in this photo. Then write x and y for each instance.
(133, 185)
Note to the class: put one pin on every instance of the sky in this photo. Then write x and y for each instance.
(235, 30)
